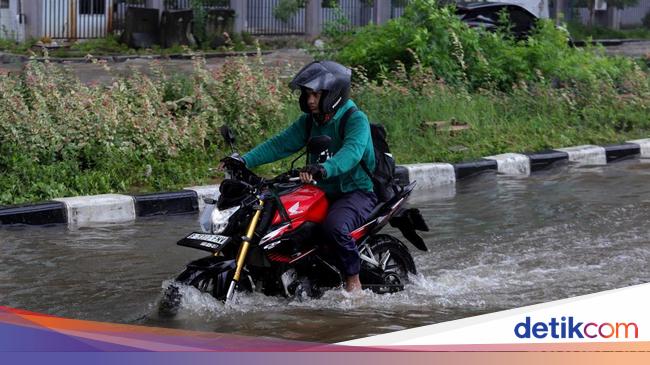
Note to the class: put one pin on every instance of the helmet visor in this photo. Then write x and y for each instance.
(314, 77)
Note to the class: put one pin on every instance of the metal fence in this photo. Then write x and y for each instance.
(81, 19)
(345, 15)
(397, 8)
(187, 4)
(339, 14)
(632, 16)
(261, 19)
(73, 18)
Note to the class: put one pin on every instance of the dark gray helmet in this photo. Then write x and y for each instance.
(332, 78)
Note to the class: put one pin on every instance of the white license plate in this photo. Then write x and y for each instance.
(212, 238)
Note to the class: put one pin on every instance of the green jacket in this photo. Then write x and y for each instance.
(344, 173)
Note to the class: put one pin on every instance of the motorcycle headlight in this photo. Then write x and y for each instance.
(220, 219)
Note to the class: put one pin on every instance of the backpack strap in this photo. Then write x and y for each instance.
(309, 123)
(343, 123)
(344, 120)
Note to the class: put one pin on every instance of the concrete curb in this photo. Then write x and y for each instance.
(472, 168)
(586, 155)
(512, 164)
(177, 202)
(431, 175)
(644, 145)
(439, 177)
(105, 208)
(622, 152)
(547, 159)
(34, 214)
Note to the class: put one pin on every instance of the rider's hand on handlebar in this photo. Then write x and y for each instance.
(312, 172)
(233, 162)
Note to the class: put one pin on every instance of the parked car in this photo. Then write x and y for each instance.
(486, 15)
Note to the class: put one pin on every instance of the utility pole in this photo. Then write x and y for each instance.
(313, 21)
(381, 11)
(559, 11)
(241, 14)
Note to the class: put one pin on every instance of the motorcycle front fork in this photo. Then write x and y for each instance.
(243, 250)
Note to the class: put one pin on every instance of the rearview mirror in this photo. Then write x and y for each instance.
(318, 144)
(227, 134)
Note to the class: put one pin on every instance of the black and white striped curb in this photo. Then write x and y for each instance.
(108, 208)
(115, 208)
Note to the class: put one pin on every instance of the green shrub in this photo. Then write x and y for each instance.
(59, 137)
(12, 46)
(73, 138)
(435, 37)
(530, 117)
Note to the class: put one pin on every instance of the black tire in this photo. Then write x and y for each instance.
(204, 281)
(170, 301)
(395, 264)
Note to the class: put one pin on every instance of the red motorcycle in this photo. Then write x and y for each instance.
(263, 235)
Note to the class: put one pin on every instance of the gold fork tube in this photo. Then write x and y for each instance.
(247, 242)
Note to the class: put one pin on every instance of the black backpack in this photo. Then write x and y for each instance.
(383, 178)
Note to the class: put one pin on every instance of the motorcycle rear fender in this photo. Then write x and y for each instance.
(408, 221)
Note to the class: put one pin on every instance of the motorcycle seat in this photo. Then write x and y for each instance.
(400, 191)
(375, 212)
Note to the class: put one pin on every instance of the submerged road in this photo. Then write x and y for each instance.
(496, 242)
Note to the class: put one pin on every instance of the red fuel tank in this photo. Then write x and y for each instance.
(307, 203)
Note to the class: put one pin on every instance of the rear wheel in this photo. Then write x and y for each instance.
(385, 264)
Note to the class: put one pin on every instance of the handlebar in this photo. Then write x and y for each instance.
(297, 179)
(242, 173)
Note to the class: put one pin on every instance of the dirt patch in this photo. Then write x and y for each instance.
(287, 61)
(631, 49)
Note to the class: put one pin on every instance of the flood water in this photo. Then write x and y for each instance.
(501, 242)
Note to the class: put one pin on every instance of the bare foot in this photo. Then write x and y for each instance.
(353, 284)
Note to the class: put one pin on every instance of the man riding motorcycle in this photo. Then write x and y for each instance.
(324, 99)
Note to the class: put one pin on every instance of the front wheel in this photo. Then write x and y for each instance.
(385, 264)
(207, 280)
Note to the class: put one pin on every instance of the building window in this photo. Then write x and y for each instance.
(92, 7)
(4, 4)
